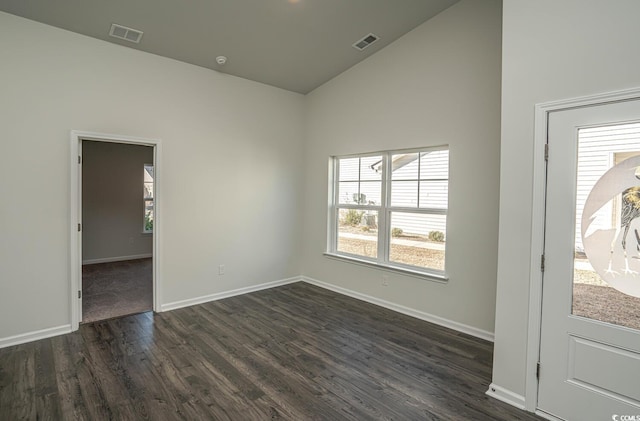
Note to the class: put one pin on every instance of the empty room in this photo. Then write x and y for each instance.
(320, 209)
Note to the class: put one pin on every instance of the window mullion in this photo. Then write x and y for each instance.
(359, 179)
(333, 211)
(419, 176)
(427, 211)
(359, 207)
(383, 215)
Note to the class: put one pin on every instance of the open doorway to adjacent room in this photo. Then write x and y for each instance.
(117, 185)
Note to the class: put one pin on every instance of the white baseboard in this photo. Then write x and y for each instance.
(460, 327)
(505, 395)
(116, 259)
(549, 417)
(479, 333)
(34, 336)
(226, 294)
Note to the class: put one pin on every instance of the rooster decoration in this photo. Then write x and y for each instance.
(630, 210)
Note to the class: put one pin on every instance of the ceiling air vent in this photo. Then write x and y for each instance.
(365, 42)
(127, 34)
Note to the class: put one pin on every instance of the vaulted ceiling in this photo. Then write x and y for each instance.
(293, 44)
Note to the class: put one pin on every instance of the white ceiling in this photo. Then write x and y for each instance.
(293, 44)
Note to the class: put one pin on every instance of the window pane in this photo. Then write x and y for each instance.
(349, 169)
(434, 164)
(148, 215)
(434, 194)
(148, 190)
(404, 193)
(360, 181)
(148, 176)
(348, 192)
(358, 232)
(404, 166)
(371, 168)
(418, 239)
(148, 181)
(370, 193)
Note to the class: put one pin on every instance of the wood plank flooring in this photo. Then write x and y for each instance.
(296, 352)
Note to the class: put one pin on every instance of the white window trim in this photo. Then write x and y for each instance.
(384, 211)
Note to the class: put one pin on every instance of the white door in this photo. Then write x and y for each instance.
(590, 338)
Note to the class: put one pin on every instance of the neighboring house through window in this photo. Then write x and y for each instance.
(148, 198)
(390, 209)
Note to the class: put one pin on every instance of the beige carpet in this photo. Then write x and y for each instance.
(116, 289)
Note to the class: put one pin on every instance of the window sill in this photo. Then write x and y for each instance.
(147, 233)
(434, 277)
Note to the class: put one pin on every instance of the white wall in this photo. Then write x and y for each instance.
(551, 50)
(439, 84)
(211, 125)
(112, 204)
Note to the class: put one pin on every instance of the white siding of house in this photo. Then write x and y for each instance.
(434, 176)
(419, 224)
(600, 148)
(360, 177)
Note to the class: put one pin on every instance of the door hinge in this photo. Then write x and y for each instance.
(79, 294)
(79, 159)
(546, 151)
(79, 227)
(542, 263)
(538, 371)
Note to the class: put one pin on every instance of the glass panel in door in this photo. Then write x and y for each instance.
(606, 278)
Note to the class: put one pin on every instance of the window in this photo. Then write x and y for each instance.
(390, 209)
(148, 198)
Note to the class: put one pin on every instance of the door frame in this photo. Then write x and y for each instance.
(541, 126)
(75, 243)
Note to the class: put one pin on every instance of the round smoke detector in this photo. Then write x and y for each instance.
(221, 60)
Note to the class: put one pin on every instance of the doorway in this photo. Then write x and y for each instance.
(589, 347)
(117, 229)
(115, 226)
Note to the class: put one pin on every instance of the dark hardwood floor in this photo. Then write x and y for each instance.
(296, 352)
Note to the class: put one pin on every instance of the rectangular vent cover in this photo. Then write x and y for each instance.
(365, 42)
(127, 34)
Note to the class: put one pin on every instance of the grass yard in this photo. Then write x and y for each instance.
(409, 255)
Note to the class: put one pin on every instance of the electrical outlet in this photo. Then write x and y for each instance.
(385, 280)
(221, 270)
